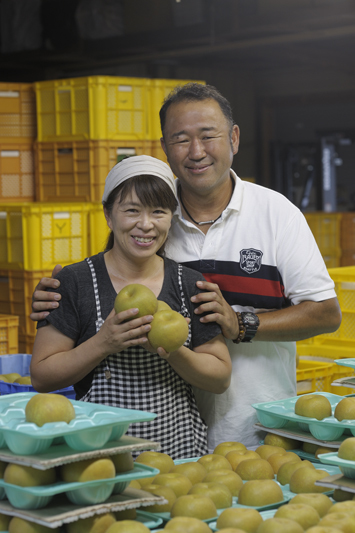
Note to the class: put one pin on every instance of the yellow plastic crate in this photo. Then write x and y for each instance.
(157, 151)
(75, 171)
(17, 173)
(347, 232)
(159, 90)
(313, 376)
(99, 230)
(17, 112)
(8, 334)
(326, 230)
(25, 343)
(37, 236)
(16, 289)
(347, 257)
(341, 372)
(330, 350)
(341, 343)
(318, 376)
(93, 108)
(332, 258)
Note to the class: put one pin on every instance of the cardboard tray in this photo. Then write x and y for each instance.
(293, 431)
(60, 511)
(61, 453)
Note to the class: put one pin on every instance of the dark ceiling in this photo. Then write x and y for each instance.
(64, 38)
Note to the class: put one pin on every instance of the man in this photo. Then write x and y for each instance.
(267, 282)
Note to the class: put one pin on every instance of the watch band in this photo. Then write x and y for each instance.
(251, 323)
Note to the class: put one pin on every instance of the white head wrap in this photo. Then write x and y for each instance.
(137, 166)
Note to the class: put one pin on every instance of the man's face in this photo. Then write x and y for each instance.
(199, 145)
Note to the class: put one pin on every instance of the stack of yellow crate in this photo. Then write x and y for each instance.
(34, 237)
(17, 184)
(326, 230)
(341, 343)
(8, 334)
(335, 236)
(84, 127)
(347, 239)
(17, 134)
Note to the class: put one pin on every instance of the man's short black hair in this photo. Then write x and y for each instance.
(195, 92)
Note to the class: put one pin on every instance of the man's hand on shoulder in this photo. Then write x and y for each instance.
(44, 301)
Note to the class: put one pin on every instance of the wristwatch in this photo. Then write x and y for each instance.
(251, 323)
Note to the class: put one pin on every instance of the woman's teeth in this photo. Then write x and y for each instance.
(144, 239)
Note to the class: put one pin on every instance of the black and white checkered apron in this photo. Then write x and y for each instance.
(138, 379)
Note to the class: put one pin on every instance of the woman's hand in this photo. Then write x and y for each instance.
(160, 350)
(121, 331)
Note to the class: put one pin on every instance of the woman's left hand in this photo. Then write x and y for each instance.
(213, 303)
(160, 351)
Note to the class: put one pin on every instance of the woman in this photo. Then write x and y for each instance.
(108, 355)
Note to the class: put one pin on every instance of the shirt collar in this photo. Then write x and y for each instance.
(235, 202)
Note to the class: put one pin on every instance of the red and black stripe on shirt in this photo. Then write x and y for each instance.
(263, 289)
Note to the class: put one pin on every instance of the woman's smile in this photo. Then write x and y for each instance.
(143, 240)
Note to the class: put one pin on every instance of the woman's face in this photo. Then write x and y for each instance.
(139, 231)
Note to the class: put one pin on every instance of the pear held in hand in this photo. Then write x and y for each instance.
(169, 330)
(136, 295)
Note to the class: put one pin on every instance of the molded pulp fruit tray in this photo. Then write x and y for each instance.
(345, 362)
(142, 516)
(277, 414)
(345, 466)
(93, 426)
(90, 492)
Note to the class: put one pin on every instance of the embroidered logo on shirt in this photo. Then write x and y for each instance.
(250, 260)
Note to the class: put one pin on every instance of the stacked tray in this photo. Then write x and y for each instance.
(279, 413)
(344, 481)
(87, 493)
(345, 466)
(93, 426)
(97, 431)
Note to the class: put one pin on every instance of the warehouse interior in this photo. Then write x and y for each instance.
(81, 85)
(287, 66)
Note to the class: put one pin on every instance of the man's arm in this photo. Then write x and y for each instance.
(294, 323)
(43, 301)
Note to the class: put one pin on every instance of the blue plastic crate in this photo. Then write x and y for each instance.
(20, 363)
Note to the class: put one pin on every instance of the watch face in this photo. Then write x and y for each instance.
(250, 319)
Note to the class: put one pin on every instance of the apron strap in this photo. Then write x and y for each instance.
(184, 309)
(99, 321)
